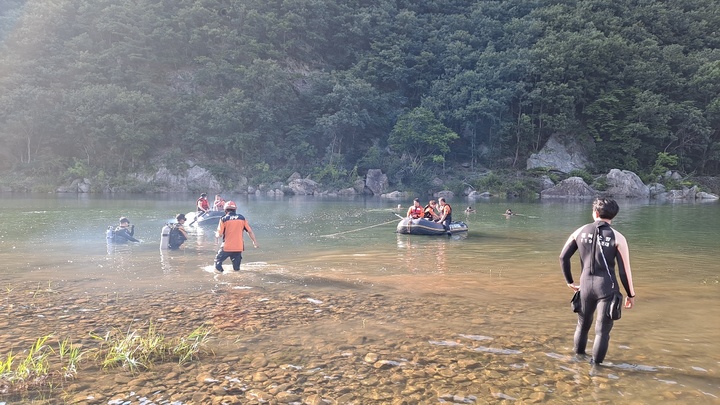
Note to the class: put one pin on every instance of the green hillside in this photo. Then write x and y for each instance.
(105, 88)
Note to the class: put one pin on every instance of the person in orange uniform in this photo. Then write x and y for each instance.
(445, 213)
(230, 229)
(416, 210)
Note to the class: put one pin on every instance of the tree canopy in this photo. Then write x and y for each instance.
(316, 85)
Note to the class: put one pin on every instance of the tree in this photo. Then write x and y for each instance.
(421, 138)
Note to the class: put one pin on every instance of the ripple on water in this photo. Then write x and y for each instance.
(494, 350)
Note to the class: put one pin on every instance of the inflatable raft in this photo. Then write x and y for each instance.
(423, 226)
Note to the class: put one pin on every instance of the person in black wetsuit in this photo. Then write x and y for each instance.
(125, 232)
(601, 247)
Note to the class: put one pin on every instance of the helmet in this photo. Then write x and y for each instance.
(230, 206)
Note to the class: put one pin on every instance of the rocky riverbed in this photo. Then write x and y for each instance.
(277, 344)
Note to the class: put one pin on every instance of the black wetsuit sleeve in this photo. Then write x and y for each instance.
(568, 251)
(125, 234)
(623, 274)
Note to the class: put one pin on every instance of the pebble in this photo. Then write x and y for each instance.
(271, 346)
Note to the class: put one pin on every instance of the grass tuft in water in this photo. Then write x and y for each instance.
(40, 368)
(135, 350)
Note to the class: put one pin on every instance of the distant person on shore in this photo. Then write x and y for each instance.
(230, 229)
(124, 232)
(601, 247)
(431, 213)
(416, 210)
(445, 213)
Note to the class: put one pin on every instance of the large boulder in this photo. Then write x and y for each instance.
(196, 179)
(573, 187)
(706, 196)
(303, 186)
(376, 181)
(446, 194)
(626, 184)
(200, 179)
(560, 154)
(359, 187)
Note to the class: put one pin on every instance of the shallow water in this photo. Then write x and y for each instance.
(495, 296)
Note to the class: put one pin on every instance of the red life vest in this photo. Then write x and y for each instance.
(203, 202)
(416, 212)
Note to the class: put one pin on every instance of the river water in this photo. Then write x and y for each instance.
(495, 296)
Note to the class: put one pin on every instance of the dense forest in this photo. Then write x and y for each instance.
(331, 88)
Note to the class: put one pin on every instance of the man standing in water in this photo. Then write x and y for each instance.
(601, 247)
(230, 229)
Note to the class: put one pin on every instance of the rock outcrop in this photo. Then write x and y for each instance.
(376, 181)
(573, 187)
(560, 154)
(626, 184)
(76, 186)
(303, 186)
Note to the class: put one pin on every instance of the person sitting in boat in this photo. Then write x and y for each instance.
(416, 210)
(508, 212)
(431, 211)
(202, 207)
(125, 232)
(219, 203)
(445, 213)
(469, 210)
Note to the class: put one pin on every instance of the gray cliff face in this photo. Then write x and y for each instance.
(376, 181)
(559, 154)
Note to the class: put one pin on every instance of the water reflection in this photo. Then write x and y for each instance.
(492, 297)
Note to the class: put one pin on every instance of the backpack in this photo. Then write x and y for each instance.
(175, 238)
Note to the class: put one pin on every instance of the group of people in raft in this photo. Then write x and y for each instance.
(440, 211)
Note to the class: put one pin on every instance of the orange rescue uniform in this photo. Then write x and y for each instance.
(231, 229)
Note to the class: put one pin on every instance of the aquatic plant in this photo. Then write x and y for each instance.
(135, 350)
(36, 371)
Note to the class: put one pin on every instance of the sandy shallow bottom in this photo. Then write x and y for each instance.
(274, 342)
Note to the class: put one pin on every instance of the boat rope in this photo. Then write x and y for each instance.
(359, 229)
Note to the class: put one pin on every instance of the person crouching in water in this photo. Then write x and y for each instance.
(230, 229)
(125, 232)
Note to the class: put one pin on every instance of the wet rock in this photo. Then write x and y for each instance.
(258, 395)
(260, 377)
(286, 397)
(371, 357)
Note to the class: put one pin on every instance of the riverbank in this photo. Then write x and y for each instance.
(459, 182)
(261, 351)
